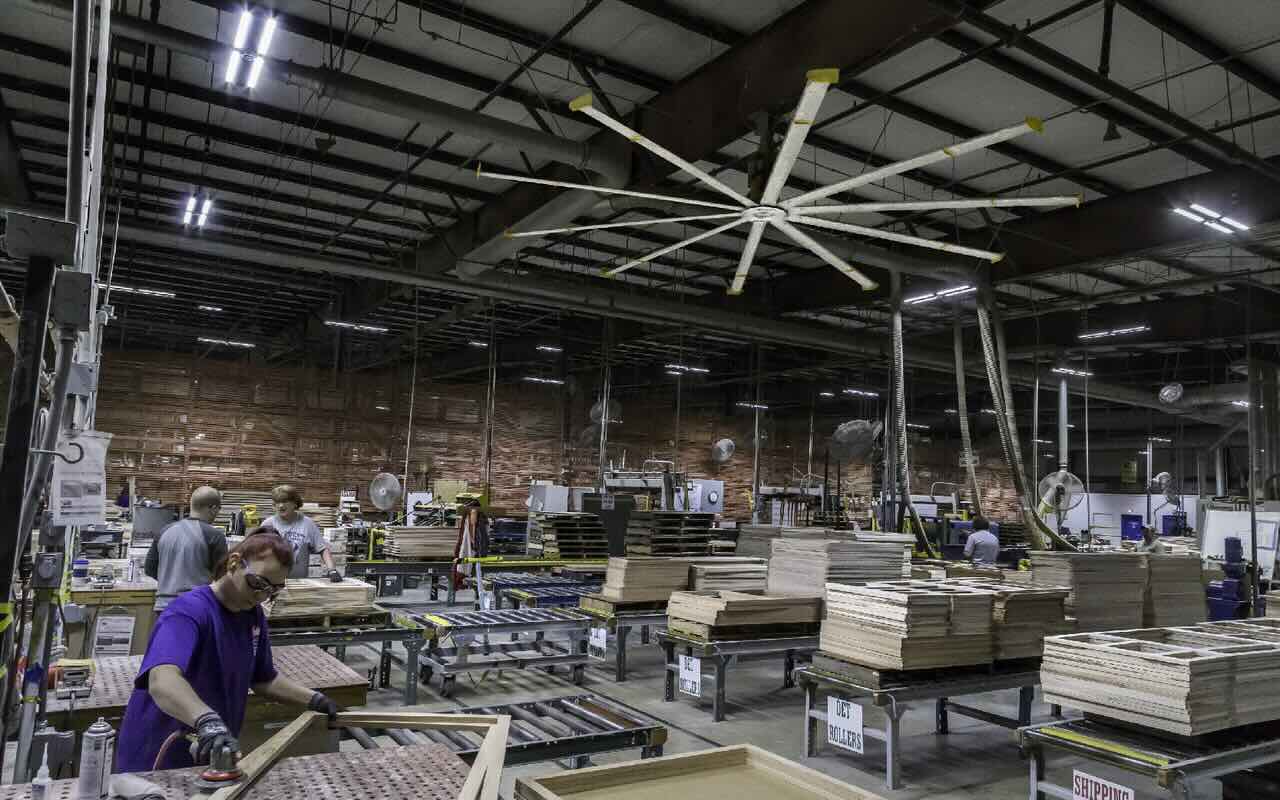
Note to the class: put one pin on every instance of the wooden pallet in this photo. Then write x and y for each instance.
(331, 621)
(720, 633)
(874, 678)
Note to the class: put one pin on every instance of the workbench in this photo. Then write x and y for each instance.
(459, 641)
(493, 565)
(308, 665)
(387, 576)
(499, 582)
(894, 702)
(721, 654)
(1185, 768)
(548, 596)
(618, 626)
(574, 727)
(378, 638)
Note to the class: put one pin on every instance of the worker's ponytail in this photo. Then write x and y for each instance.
(260, 542)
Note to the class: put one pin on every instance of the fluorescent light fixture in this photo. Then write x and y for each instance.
(861, 393)
(204, 212)
(687, 368)
(988, 411)
(134, 290)
(477, 343)
(1115, 332)
(949, 411)
(355, 326)
(826, 394)
(214, 309)
(757, 406)
(549, 348)
(226, 342)
(953, 292)
(536, 379)
(1240, 403)
(1208, 212)
(1188, 215)
(1042, 441)
(1079, 373)
(1071, 424)
(264, 40)
(1218, 228)
(1159, 439)
(1240, 226)
(383, 408)
(673, 372)
(233, 67)
(915, 426)
(242, 29)
(255, 72)
(191, 203)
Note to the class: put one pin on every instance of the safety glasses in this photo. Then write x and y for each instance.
(260, 584)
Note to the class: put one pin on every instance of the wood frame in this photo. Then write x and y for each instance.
(482, 781)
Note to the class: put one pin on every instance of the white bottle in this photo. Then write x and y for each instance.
(40, 785)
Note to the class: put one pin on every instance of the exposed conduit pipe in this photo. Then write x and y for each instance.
(962, 411)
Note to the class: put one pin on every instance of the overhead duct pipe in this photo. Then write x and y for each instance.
(1209, 396)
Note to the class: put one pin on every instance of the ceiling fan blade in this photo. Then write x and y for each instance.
(802, 119)
(805, 240)
(922, 160)
(586, 187)
(876, 233)
(609, 273)
(748, 254)
(937, 205)
(607, 225)
(583, 104)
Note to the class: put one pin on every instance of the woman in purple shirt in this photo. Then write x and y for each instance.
(209, 647)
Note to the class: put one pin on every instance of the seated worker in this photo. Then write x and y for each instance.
(982, 545)
(185, 554)
(301, 532)
(209, 647)
(1150, 542)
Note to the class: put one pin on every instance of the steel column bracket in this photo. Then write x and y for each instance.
(28, 236)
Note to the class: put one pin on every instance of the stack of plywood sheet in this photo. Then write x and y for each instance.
(322, 516)
(1021, 616)
(1106, 588)
(1187, 681)
(733, 574)
(906, 625)
(567, 535)
(669, 533)
(235, 499)
(1175, 593)
(311, 597)
(413, 543)
(803, 566)
(735, 615)
(644, 579)
(755, 540)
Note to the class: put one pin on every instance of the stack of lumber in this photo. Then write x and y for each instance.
(669, 533)
(732, 574)
(312, 597)
(412, 543)
(644, 579)
(735, 615)
(1107, 589)
(935, 569)
(1181, 545)
(1022, 616)
(906, 625)
(1175, 594)
(756, 540)
(233, 499)
(322, 516)
(577, 535)
(803, 566)
(1187, 681)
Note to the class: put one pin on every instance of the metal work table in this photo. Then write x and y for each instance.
(574, 727)
(619, 625)
(382, 636)
(722, 653)
(501, 582)
(894, 700)
(529, 647)
(1185, 768)
(495, 565)
(549, 596)
(375, 571)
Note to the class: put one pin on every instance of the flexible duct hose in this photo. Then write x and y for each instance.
(962, 409)
(900, 426)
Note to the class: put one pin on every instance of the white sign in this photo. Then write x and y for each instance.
(607, 503)
(844, 724)
(113, 635)
(597, 643)
(972, 459)
(1086, 787)
(78, 493)
(486, 601)
(691, 675)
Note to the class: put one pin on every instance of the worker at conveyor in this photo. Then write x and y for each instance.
(1150, 542)
(301, 532)
(209, 647)
(982, 545)
(184, 555)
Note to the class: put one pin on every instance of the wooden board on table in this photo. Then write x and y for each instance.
(724, 633)
(725, 608)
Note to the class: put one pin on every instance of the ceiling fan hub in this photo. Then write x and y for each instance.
(764, 214)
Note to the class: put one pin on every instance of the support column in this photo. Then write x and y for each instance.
(1063, 409)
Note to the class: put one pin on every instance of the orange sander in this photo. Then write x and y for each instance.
(222, 770)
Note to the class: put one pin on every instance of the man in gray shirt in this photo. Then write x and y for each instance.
(982, 545)
(184, 555)
(300, 531)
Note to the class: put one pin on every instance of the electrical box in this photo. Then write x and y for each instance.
(47, 571)
(71, 297)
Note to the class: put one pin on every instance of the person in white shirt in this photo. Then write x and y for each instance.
(1150, 542)
(982, 545)
(302, 534)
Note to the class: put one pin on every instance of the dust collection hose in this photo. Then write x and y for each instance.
(962, 410)
(900, 429)
(1042, 537)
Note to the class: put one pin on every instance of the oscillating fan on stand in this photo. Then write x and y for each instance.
(385, 491)
(722, 451)
(1059, 492)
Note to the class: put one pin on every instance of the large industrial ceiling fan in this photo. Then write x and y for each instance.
(790, 216)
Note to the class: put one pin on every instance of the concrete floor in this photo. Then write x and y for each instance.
(976, 761)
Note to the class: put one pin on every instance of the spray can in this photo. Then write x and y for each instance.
(40, 785)
(97, 755)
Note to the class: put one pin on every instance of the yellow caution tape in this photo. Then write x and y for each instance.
(1108, 746)
(6, 608)
(6, 622)
(438, 621)
(520, 593)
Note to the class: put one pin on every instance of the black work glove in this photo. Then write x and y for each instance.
(322, 703)
(212, 735)
(335, 576)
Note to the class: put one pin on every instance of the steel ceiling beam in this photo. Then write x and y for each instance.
(14, 183)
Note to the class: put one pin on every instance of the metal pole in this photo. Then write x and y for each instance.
(1219, 472)
(1150, 445)
(1254, 397)
(808, 466)
(604, 402)
(1063, 407)
(755, 449)
(675, 456)
(81, 36)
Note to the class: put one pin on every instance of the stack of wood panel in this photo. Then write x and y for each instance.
(412, 543)
(756, 540)
(803, 566)
(1187, 681)
(1107, 589)
(310, 597)
(669, 533)
(234, 499)
(1022, 616)
(567, 535)
(732, 574)
(1175, 593)
(322, 516)
(735, 615)
(907, 625)
(644, 579)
